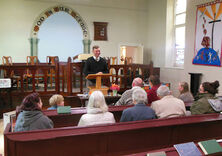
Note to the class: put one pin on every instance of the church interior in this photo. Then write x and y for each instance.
(44, 44)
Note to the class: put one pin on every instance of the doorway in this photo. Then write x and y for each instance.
(135, 51)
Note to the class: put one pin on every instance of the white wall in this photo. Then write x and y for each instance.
(157, 45)
(126, 23)
(157, 31)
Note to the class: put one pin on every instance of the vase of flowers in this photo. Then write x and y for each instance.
(115, 88)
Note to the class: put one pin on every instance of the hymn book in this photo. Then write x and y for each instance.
(210, 146)
(64, 110)
(187, 149)
(157, 154)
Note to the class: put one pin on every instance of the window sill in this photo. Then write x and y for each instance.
(179, 68)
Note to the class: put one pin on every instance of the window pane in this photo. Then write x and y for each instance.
(181, 6)
(180, 37)
(180, 19)
(179, 57)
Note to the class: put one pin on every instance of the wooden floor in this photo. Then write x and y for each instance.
(1, 137)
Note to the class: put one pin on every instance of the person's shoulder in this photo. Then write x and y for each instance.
(156, 102)
(149, 109)
(51, 108)
(85, 117)
(129, 109)
(89, 59)
(103, 60)
(44, 117)
(203, 99)
(109, 114)
(176, 99)
(128, 91)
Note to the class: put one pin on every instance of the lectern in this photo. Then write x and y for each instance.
(98, 86)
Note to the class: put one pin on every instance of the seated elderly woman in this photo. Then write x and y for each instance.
(97, 111)
(201, 104)
(56, 101)
(140, 111)
(30, 116)
(168, 106)
(185, 94)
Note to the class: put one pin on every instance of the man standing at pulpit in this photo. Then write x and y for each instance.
(95, 65)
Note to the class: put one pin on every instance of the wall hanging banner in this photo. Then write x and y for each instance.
(208, 41)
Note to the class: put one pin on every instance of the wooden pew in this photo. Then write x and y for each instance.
(65, 120)
(113, 139)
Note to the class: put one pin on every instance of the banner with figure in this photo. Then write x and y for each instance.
(208, 42)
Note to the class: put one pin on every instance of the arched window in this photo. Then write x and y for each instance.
(60, 35)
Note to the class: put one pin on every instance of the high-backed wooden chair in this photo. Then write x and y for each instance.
(76, 71)
(7, 60)
(32, 60)
(128, 60)
(113, 61)
(75, 58)
(52, 61)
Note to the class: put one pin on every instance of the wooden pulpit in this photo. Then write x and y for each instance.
(98, 86)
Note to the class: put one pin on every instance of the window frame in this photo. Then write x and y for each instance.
(175, 64)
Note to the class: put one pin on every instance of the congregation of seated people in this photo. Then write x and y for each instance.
(165, 105)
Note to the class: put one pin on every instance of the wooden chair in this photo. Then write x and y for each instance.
(113, 61)
(7, 60)
(52, 61)
(75, 58)
(32, 60)
(76, 71)
(128, 60)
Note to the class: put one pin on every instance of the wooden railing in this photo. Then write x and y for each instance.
(68, 77)
(30, 74)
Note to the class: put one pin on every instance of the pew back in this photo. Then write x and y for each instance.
(113, 139)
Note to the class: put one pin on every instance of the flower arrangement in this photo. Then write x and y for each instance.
(114, 87)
